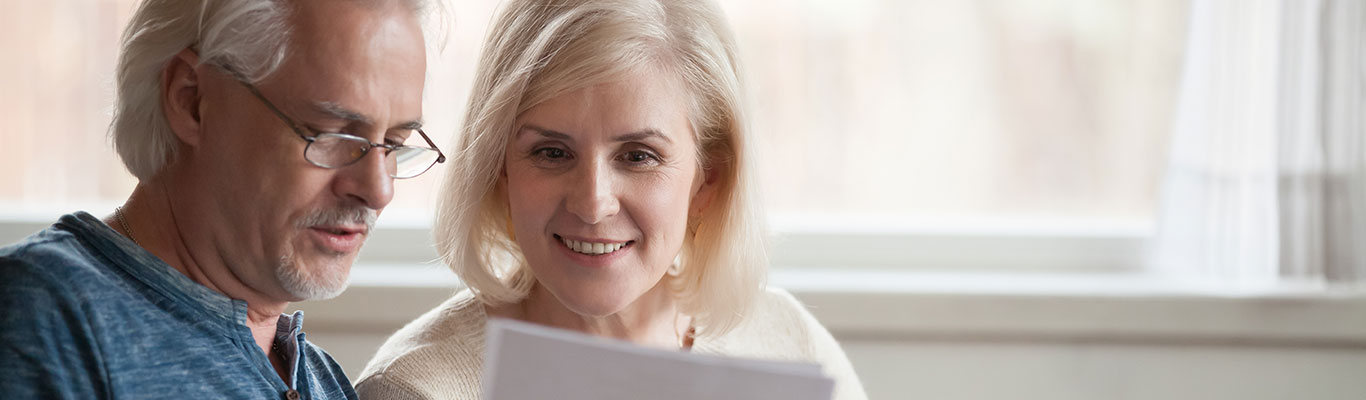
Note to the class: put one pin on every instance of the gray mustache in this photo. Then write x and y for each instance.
(341, 216)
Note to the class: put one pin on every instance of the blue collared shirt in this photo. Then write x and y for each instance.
(85, 313)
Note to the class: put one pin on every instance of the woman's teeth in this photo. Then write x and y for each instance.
(592, 248)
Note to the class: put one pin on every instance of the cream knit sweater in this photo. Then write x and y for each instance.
(441, 354)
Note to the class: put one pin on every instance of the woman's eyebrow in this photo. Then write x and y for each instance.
(548, 133)
(642, 135)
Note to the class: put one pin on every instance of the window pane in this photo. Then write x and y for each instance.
(914, 108)
(928, 108)
(55, 98)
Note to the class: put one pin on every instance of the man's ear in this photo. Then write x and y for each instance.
(180, 95)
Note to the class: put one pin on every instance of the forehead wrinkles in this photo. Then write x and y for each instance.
(625, 107)
(350, 58)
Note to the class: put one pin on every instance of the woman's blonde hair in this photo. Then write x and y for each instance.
(540, 49)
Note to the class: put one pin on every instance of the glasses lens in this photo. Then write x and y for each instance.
(332, 150)
(410, 161)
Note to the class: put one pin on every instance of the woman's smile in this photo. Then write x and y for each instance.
(594, 247)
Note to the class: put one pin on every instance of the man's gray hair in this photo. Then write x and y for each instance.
(250, 35)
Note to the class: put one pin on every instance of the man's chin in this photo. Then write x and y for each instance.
(305, 281)
(322, 293)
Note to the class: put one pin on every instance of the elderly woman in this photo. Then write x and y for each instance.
(604, 185)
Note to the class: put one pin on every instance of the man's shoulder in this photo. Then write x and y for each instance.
(326, 373)
(43, 308)
(52, 257)
(50, 282)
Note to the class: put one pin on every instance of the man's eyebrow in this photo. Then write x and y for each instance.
(338, 111)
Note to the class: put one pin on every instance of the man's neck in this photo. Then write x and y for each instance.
(150, 218)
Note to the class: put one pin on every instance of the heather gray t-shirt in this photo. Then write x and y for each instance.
(85, 314)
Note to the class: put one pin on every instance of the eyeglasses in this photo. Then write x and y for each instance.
(336, 150)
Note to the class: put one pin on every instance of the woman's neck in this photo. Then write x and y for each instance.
(653, 320)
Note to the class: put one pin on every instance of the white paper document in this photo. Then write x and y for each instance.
(525, 361)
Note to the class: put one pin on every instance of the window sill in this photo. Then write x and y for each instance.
(896, 306)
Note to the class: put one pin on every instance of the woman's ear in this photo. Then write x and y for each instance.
(501, 191)
(706, 191)
(180, 96)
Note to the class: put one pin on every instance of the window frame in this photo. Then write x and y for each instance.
(402, 237)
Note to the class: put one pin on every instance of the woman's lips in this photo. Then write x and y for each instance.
(594, 247)
(594, 252)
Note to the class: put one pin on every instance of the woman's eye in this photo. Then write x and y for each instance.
(640, 157)
(551, 153)
(550, 157)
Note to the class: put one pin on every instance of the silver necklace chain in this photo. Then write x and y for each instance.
(123, 223)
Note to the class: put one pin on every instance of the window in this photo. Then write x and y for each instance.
(970, 109)
(886, 124)
(57, 84)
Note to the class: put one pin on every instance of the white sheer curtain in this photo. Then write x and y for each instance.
(1266, 185)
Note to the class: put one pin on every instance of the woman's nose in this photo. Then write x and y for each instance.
(593, 197)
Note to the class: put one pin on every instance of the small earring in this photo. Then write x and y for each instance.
(676, 267)
(693, 225)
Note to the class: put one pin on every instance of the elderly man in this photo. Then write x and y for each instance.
(265, 136)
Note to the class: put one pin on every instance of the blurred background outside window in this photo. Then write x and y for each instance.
(875, 114)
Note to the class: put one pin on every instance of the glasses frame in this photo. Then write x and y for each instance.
(299, 129)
